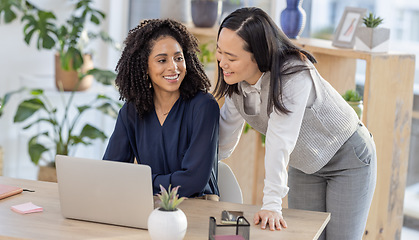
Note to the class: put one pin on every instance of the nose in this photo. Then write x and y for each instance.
(222, 63)
(173, 65)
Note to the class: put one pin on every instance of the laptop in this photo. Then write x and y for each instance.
(105, 191)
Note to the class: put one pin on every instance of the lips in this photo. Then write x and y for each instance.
(227, 74)
(172, 78)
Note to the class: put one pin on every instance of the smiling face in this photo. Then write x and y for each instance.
(237, 64)
(166, 65)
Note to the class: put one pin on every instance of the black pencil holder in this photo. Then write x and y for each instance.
(238, 231)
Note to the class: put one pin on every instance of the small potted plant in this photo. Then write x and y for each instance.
(353, 98)
(168, 221)
(371, 37)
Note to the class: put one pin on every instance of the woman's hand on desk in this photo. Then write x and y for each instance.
(274, 219)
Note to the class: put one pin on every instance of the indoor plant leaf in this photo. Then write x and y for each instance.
(27, 108)
(40, 120)
(108, 109)
(72, 59)
(91, 132)
(6, 98)
(5, 9)
(105, 77)
(43, 27)
(35, 149)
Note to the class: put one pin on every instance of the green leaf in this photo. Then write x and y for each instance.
(352, 96)
(41, 25)
(83, 108)
(6, 10)
(39, 121)
(36, 92)
(372, 21)
(108, 109)
(72, 59)
(35, 150)
(27, 108)
(91, 132)
(94, 19)
(9, 16)
(6, 98)
(105, 77)
(169, 198)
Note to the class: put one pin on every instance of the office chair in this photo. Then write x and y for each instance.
(227, 185)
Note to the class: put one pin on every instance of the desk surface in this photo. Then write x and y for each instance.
(49, 224)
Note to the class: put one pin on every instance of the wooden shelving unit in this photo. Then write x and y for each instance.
(388, 102)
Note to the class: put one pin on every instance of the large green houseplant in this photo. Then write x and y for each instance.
(60, 132)
(68, 39)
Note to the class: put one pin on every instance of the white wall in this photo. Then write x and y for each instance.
(25, 65)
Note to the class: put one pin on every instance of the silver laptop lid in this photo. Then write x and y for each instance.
(105, 191)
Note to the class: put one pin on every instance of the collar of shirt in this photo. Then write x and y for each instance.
(247, 88)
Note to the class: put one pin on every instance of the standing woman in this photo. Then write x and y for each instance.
(273, 85)
(169, 120)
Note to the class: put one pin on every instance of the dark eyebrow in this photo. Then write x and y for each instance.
(165, 54)
(228, 53)
(161, 55)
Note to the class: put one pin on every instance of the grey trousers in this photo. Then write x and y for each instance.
(344, 187)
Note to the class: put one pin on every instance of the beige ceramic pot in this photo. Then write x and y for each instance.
(67, 80)
(47, 174)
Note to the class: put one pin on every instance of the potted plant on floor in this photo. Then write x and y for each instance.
(59, 126)
(353, 98)
(371, 37)
(167, 221)
(69, 39)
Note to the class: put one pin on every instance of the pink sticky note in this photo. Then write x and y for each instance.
(27, 208)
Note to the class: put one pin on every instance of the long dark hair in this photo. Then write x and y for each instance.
(270, 48)
(132, 79)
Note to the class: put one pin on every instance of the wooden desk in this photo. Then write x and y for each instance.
(51, 225)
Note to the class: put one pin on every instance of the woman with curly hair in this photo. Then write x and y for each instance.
(169, 120)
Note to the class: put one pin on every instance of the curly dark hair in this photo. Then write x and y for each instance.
(132, 79)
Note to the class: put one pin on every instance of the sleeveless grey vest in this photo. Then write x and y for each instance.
(326, 125)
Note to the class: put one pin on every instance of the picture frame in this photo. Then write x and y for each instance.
(346, 31)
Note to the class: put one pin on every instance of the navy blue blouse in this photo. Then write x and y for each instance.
(183, 151)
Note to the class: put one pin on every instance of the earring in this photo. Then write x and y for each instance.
(149, 81)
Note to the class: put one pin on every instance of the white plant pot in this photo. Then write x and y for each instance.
(164, 225)
(372, 39)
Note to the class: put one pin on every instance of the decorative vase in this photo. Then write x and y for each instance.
(372, 39)
(293, 19)
(179, 10)
(164, 225)
(358, 107)
(204, 12)
(67, 80)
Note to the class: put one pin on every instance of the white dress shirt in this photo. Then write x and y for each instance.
(281, 135)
